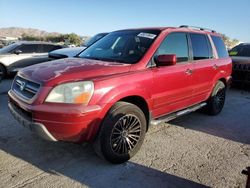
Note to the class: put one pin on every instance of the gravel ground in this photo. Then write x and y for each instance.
(195, 150)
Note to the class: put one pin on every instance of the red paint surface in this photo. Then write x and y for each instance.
(165, 89)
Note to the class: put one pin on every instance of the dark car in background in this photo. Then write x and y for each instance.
(72, 52)
(241, 63)
(22, 54)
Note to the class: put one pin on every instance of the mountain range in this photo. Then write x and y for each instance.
(19, 31)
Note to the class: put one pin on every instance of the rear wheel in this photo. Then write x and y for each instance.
(121, 134)
(217, 99)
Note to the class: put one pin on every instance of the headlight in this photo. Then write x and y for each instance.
(74, 93)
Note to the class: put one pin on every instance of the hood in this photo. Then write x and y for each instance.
(71, 69)
(240, 60)
(68, 52)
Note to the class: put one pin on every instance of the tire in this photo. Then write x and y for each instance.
(2, 72)
(217, 99)
(121, 134)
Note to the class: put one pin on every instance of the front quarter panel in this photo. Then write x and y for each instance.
(109, 91)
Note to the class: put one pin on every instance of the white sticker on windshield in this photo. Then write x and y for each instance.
(147, 35)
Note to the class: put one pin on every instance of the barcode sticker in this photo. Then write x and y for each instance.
(147, 35)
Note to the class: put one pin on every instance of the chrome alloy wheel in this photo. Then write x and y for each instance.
(220, 98)
(125, 134)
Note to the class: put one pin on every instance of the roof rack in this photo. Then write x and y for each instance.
(198, 28)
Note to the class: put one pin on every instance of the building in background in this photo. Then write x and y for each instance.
(4, 41)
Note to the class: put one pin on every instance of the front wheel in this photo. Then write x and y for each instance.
(217, 99)
(121, 134)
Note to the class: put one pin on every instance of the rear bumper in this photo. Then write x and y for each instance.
(38, 128)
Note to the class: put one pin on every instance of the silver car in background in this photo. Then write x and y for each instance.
(22, 54)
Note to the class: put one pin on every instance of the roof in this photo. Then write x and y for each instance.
(244, 43)
(34, 42)
(182, 28)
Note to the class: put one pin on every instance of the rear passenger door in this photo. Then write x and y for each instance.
(173, 89)
(204, 70)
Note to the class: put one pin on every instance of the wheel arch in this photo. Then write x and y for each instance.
(139, 102)
(224, 81)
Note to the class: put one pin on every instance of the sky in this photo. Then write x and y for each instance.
(88, 17)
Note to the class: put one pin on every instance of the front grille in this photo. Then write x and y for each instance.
(241, 67)
(25, 88)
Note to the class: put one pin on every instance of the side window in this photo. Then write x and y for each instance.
(28, 48)
(175, 43)
(201, 47)
(45, 48)
(245, 51)
(220, 47)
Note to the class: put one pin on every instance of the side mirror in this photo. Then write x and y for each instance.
(165, 60)
(17, 52)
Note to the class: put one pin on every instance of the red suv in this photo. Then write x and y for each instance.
(120, 85)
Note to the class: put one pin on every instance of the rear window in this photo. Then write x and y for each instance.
(220, 47)
(201, 47)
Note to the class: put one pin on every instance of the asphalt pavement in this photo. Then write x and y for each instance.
(195, 150)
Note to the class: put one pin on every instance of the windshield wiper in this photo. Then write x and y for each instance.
(94, 58)
(107, 59)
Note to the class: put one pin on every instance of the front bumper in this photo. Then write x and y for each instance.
(26, 122)
(73, 123)
(241, 76)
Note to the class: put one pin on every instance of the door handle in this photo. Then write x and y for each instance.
(189, 71)
(215, 67)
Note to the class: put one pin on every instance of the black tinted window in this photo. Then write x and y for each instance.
(201, 47)
(29, 48)
(175, 43)
(245, 52)
(93, 39)
(241, 50)
(220, 47)
(45, 48)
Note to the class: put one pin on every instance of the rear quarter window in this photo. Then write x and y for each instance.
(201, 47)
(220, 47)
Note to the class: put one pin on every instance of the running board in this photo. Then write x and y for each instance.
(177, 114)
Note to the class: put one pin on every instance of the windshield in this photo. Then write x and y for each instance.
(93, 39)
(241, 50)
(9, 48)
(127, 46)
